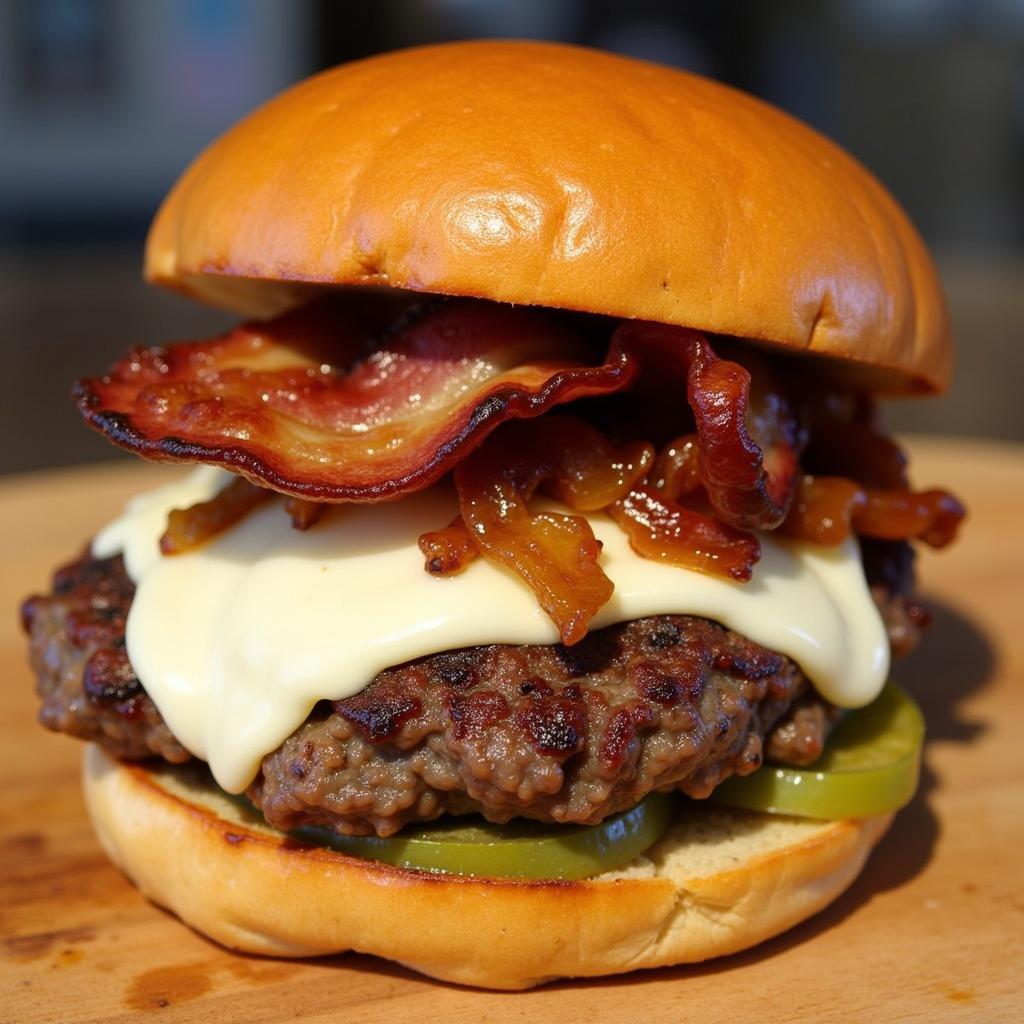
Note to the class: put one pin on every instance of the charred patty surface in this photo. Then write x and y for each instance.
(87, 686)
(551, 733)
(545, 732)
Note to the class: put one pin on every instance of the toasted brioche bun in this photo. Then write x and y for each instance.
(720, 881)
(551, 175)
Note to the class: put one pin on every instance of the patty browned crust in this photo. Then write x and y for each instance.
(77, 649)
(545, 732)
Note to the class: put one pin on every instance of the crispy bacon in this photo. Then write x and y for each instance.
(662, 529)
(449, 550)
(750, 483)
(828, 509)
(308, 405)
(555, 554)
(189, 527)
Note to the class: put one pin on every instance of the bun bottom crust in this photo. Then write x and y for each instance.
(719, 881)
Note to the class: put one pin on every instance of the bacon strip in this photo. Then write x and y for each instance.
(750, 485)
(555, 554)
(828, 509)
(305, 404)
(189, 527)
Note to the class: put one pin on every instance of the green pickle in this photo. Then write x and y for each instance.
(870, 766)
(520, 849)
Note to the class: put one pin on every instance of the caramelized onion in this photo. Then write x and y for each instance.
(677, 468)
(823, 509)
(303, 513)
(555, 554)
(828, 509)
(750, 485)
(931, 516)
(662, 529)
(189, 527)
(449, 550)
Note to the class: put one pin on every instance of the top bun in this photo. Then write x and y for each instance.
(551, 175)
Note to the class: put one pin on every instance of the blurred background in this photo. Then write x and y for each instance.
(103, 103)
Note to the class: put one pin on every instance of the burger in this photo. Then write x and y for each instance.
(528, 606)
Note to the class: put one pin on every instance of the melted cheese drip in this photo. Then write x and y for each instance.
(237, 640)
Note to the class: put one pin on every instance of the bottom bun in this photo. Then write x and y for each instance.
(719, 881)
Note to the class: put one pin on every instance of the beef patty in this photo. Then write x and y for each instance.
(545, 732)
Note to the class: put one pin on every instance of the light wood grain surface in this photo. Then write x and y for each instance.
(932, 931)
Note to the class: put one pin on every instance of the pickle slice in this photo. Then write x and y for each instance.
(520, 849)
(870, 765)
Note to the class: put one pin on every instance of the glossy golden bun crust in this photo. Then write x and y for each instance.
(718, 882)
(544, 174)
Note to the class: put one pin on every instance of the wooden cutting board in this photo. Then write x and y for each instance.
(932, 931)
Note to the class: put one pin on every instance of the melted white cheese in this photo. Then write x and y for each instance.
(237, 640)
